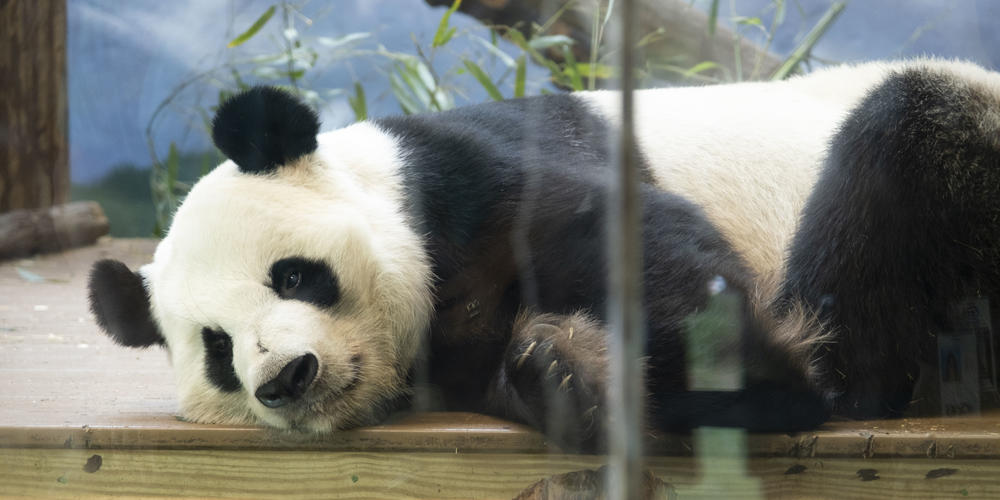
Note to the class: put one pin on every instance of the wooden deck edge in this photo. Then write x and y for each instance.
(322, 474)
(483, 439)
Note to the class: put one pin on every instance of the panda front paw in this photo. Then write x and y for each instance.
(556, 369)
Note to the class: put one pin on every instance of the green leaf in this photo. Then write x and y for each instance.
(499, 54)
(651, 37)
(173, 166)
(713, 16)
(294, 75)
(357, 102)
(544, 42)
(779, 14)
(254, 28)
(554, 70)
(809, 41)
(483, 79)
(700, 67)
(332, 43)
(443, 33)
(403, 95)
(206, 164)
(414, 82)
(520, 76)
(571, 69)
(750, 21)
(240, 84)
(607, 14)
(602, 71)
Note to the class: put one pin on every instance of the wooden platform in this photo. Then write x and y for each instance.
(80, 416)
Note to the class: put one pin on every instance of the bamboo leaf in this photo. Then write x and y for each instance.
(173, 166)
(749, 21)
(651, 37)
(700, 68)
(403, 96)
(483, 79)
(554, 70)
(332, 43)
(809, 41)
(443, 33)
(607, 14)
(254, 28)
(520, 76)
(413, 81)
(595, 70)
(545, 42)
(571, 68)
(358, 103)
(713, 16)
(499, 54)
(206, 164)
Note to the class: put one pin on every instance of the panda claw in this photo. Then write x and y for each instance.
(571, 333)
(564, 385)
(552, 367)
(524, 355)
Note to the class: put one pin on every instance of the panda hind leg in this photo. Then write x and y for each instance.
(903, 222)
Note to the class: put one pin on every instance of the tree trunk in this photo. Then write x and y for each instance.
(34, 150)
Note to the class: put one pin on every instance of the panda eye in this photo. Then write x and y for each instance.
(292, 279)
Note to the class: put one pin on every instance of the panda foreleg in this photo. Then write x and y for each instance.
(553, 377)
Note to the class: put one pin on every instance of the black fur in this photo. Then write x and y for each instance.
(119, 300)
(315, 284)
(219, 360)
(263, 128)
(901, 223)
(513, 197)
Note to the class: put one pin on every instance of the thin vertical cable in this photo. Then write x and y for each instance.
(627, 343)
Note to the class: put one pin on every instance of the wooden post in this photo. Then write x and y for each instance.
(34, 147)
(34, 150)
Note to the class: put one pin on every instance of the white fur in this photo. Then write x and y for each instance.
(749, 153)
(341, 205)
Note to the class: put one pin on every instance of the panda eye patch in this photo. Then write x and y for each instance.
(219, 360)
(298, 278)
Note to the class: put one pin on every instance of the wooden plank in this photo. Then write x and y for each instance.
(65, 385)
(313, 474)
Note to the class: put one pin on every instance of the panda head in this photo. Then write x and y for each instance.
(289, 289)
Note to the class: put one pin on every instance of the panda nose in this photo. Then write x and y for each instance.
(290, 384)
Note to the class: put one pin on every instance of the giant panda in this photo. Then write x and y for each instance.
(457, 260)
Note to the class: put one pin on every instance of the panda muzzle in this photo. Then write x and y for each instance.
(290, 384)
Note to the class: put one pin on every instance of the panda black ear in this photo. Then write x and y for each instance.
(120, 301)
(263, 128)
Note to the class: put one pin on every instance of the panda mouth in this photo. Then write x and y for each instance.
(324, 393)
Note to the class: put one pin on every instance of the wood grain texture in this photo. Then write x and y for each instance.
(34, 149)
(314, 474)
